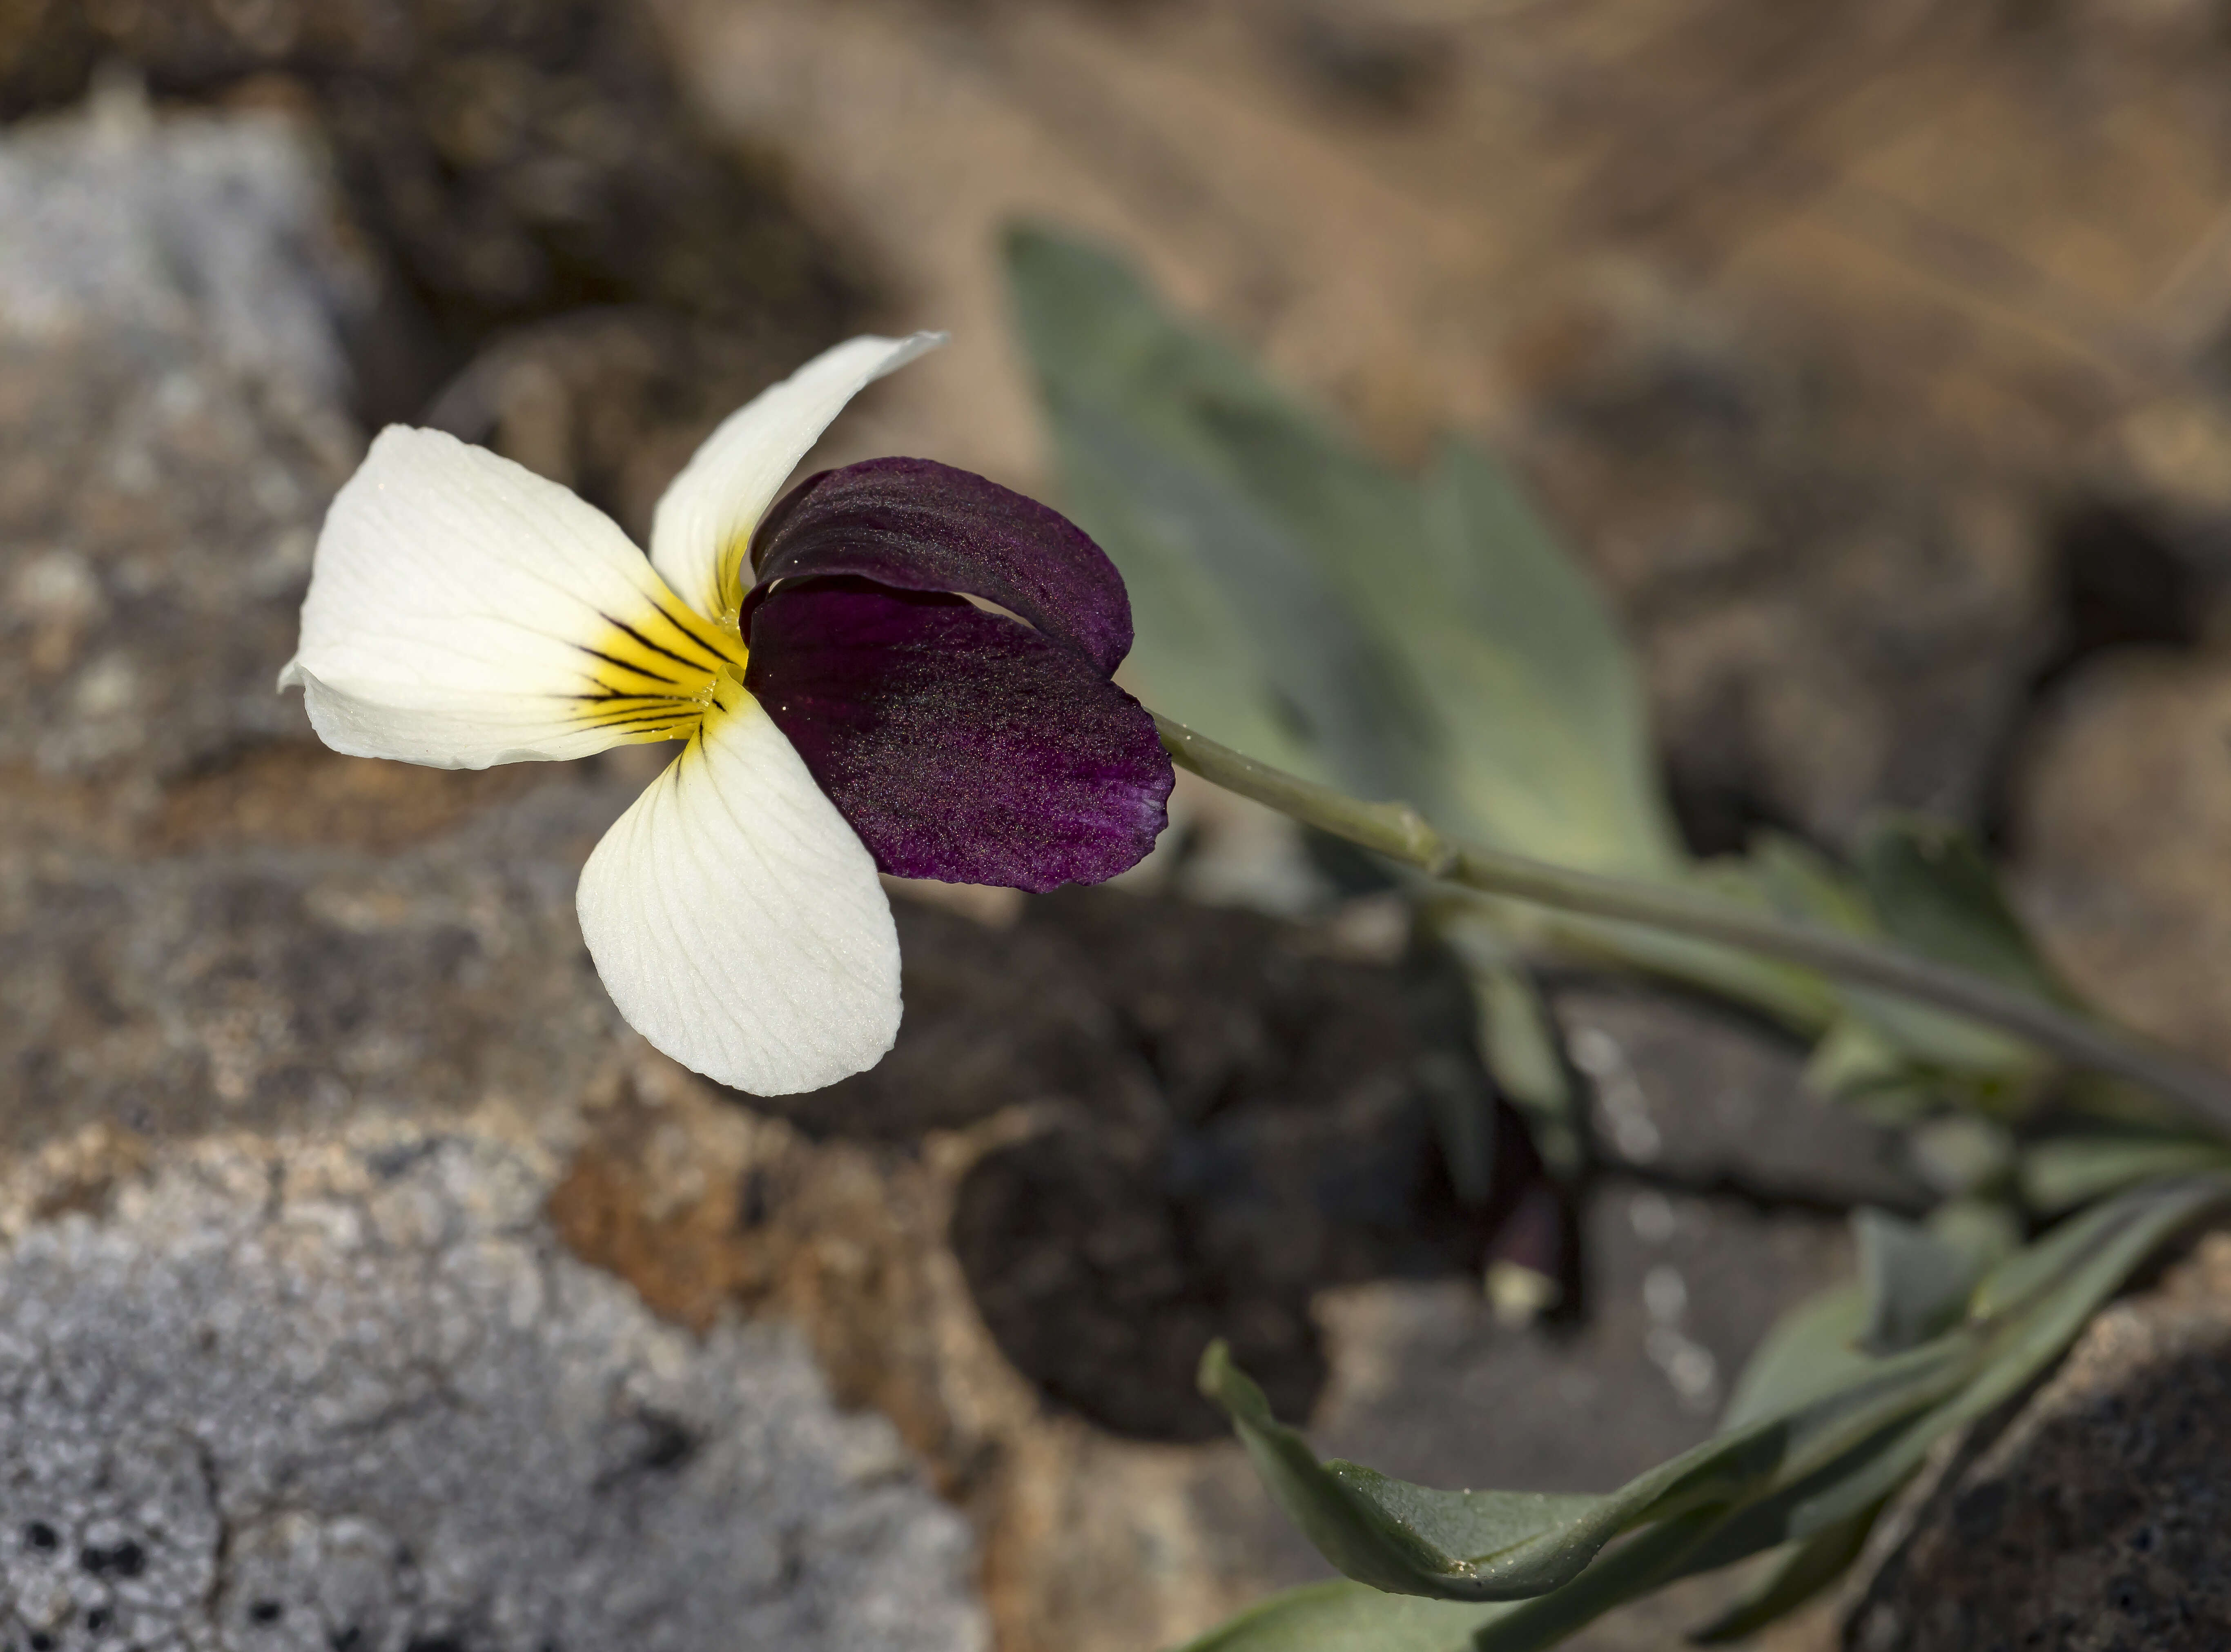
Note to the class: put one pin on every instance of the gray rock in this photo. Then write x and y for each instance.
(354, 1394)
(172, 419)
(212, 235)
(1697, 1100)
(1430, 1386)
(272, 987)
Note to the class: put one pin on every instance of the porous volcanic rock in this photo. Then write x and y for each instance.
(2099, 1515)
(352, 1392)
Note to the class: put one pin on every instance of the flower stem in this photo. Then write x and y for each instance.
(1401, 833)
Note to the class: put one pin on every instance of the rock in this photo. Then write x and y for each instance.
(350, 1391)
(1688, 1100)
(1431, 1386)
(2122, 803)
(172, 420)
(1726, 1208)
(1240, 1121)
(1018, 1287)
(257, 986)
(2092, 1517)
(1090, 1542)
(1764, 538)
(561, 262)
(217, 938)
(193, 931)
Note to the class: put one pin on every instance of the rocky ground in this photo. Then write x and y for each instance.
(1906, 480)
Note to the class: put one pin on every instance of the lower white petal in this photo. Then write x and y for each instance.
(464, 611)
(737, 920)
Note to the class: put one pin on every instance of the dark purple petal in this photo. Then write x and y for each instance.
(960, 745)
(920, 525)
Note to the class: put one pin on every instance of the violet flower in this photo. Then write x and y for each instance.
(843, 710)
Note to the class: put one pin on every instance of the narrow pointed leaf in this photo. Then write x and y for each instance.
(1477, 1546)
(1916, 1284)
(2041, 1305)
(1521, 1044)
(1806, 1480)
(1812, 1350)
(1936, 892)
(2067, 1172)
(1344, 1616)
(1644, 1562)
(1799, 1573)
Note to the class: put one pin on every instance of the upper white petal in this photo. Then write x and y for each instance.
(454, 604)
(706, 517)
(737, 920)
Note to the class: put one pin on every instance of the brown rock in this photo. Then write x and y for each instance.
(2124, 813)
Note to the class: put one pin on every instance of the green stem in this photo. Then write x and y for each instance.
(1401, 833)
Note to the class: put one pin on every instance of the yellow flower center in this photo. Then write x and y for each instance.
(655, 673)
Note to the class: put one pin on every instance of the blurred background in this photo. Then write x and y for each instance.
(1873, 359)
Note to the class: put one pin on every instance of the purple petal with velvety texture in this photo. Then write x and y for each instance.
(960, 744)
(920, 525)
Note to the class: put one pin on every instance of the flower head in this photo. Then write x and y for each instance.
(842, 708)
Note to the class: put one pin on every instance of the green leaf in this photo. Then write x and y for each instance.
(1097, 334)
(2043, 1295)
(1297, 600)
(1478, 1545)
(2066, 1171)
(1812, 1350)
(1234, 630)
(1800, 1572)
(1235, 634)
(1518, 1038)
(1535, 681)
(1856, 1062)
(1934, 893)
(1501, 698)
(1646, 1561)
(1806, 1479)
(1533, 706)
(2022, 1317)
(1192, 652)
(1915, 1283)
(1344, 1616)
(1937, 894)
(1963, 1152)
(1925, 888)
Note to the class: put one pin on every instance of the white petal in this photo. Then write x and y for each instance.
(463, 611)
(704, 521)
(737, 920)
